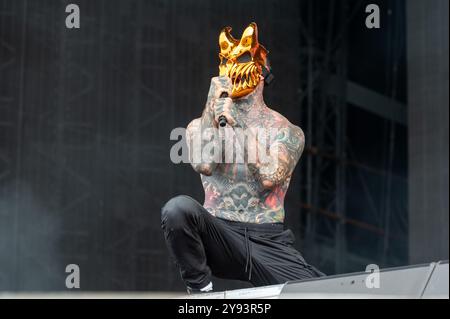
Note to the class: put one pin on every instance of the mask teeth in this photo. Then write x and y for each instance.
(241, 69)
(245, 71)
(236, 86)
(248, 76)
(242, 74)
(254, 77)
(241, 84)
(248, 72)
(234, 73)
(230, 75)
(250, 79)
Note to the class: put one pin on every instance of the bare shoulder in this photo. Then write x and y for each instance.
(290, 135)
(281, 122)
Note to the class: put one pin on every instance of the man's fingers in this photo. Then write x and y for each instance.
(228, 117)
(224, 102)
(222, 105)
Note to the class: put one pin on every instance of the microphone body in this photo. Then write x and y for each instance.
(223, 119)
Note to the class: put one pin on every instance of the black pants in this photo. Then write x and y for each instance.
(203, 245)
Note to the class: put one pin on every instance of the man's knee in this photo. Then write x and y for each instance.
(178, 210)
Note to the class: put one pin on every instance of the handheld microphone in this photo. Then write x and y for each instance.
(223, 119)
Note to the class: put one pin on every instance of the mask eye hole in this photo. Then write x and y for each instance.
(244, 58)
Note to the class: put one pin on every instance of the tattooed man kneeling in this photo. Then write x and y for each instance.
(238, 232)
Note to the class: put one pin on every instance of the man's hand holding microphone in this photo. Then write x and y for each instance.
(222, 104)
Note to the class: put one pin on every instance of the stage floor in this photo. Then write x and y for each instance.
(417, 281)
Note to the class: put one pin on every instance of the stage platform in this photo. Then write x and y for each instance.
(418, 281)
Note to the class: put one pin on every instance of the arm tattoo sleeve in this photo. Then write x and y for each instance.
(196, 130)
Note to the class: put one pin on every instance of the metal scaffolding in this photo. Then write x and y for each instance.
(329, 154)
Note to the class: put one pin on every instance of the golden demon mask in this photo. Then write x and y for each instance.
(243, 61)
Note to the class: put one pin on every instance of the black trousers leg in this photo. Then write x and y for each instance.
(203, 245)
(199, 243)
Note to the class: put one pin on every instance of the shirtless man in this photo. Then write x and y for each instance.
(238, 233)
